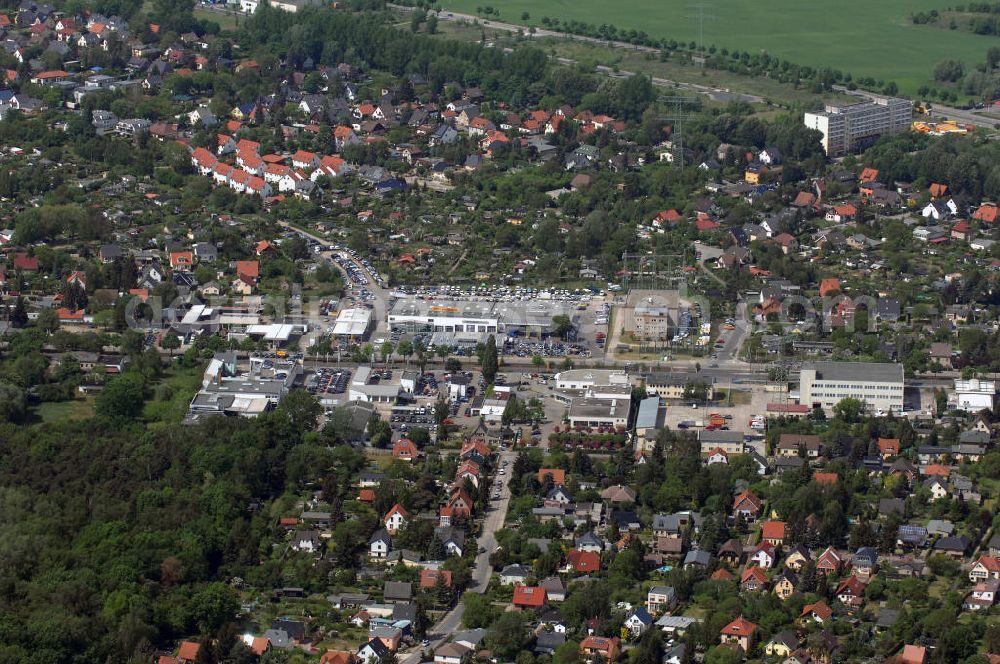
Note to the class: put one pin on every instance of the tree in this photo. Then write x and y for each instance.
(122, 397)
(849, 410)
(19, 315)
(488, 360)
(213, 606)
(386, 350)
(170, 342)
(12, 403)
(302, 410)
(405, 349)
(48, 320)
(949, 71)
(562, 325)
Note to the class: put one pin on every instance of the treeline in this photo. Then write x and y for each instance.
(120, 538)
(969, 166)
(330, 38)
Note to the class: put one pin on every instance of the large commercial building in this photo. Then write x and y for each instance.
(588, 379)
(354, 324)
(856, 126)
(879, 385)
(975, 394)
(225, 390)
(594, 413)
(528, 318)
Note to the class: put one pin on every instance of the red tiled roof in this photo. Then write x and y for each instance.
(773, 530)
(739, 627)
(529, 596)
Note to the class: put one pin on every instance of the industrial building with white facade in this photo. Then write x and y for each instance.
(878, 385)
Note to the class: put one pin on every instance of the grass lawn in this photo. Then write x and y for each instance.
(180, 386)
(226, 21)
(863, 38)
(79, 409)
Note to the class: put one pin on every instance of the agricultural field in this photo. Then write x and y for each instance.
(865, 39)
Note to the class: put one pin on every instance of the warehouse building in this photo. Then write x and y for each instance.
(878, 385)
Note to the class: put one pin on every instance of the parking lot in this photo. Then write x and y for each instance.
(739, 413)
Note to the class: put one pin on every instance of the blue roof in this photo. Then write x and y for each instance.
(643, 615)
(648, 410)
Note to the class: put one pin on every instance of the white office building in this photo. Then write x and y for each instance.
(587, 379)
(975, 394)
(879, 385)
(856, 126)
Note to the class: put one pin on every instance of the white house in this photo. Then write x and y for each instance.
(983, 595)
(380, 544)
(638, 622)
(659, 598)
(396, 518)
(763, 556)
(987, 567)
(451, 653)
(372, 652)
(513, 575)
(306, 540)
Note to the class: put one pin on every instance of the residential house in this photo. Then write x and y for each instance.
(529, 597)
(747, 505)
(638, 622)
(396, 518)
(739, 632)
(829, 562)
(600, 648)
(660, 598)
(785, 584)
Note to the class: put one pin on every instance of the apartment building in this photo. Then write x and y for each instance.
(853, 127)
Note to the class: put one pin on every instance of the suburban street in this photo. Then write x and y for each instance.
(450, 622)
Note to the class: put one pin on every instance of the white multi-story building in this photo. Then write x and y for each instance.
(850, 128)
(975, 394)
(878, 385)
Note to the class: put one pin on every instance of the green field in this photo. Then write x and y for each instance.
(863, 38)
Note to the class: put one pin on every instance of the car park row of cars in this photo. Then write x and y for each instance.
(495, 293)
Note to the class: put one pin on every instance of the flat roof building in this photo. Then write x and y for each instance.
(730, 442)
(353, 323)
(528, 318)
(878, 384)
(856, 126)
(225, 391)
(593, 413)
(648, 420)
(584, 379)
(975, 394)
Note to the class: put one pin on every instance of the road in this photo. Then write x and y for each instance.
(381, 294)
(495, 517)
(716, 94)
(730, 352)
